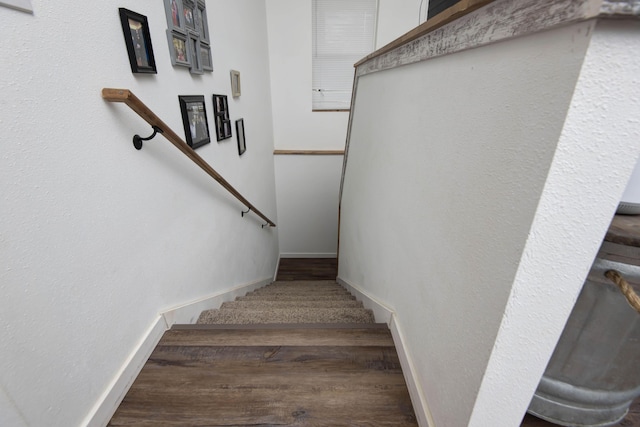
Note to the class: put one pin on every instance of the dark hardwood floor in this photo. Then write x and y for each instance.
(269, 375)
(307, 269)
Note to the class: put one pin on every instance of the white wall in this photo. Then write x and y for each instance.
(97, 238)
(440, 195)
(307, 197)
(297, 127)
(397, 17)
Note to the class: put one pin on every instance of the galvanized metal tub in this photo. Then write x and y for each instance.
(594, 373)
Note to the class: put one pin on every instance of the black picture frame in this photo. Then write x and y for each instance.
(194, 120)
(221, 114)
(135, 28)
(242, 145)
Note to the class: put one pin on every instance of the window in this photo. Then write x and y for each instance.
(343, 33)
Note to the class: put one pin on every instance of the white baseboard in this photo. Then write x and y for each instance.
(184, 314)
(309, 255)
(275, 273)
(188, 313)
(385, 314)
(106, 406)
(420, 407)
(381, 312)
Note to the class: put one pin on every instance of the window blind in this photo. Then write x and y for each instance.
(343, 33)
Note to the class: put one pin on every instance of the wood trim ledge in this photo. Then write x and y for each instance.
(466, 26)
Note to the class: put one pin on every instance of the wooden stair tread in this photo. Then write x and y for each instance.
(321, 334)
(188, 380)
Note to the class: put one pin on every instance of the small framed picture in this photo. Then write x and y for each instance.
(178, 49)
(205, 56)
(242, 146)
(173, 10)
(235, 83)
(195, 53)
(221, 113)
(194, 120)
(202, 24)
(135, 28)
(188, 13)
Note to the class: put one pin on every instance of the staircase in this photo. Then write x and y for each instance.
(296, 353)
(292, 302)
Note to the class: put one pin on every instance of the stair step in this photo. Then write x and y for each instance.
(295, 292)
(283, 297)
(256, 305)
(352, 335)
(290, 315)
(304, 283)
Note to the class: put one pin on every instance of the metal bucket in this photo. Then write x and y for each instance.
(594, 373)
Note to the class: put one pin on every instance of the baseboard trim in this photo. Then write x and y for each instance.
(383, 313)
(309, 255)
(275, 273)
(188, 313)
(108, 403)
(423, 414)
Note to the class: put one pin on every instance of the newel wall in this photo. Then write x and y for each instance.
(96, 238)
(479, 184)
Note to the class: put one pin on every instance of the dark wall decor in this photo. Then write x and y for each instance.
(194, 120)
(242, 146)
(135, 28)
(221, 115)
(437, 6)
(188, 34)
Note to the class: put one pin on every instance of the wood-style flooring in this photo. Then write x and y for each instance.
(269, 375)
(272, 375)
(307, 269)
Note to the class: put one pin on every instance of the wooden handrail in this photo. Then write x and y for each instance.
(127, 97)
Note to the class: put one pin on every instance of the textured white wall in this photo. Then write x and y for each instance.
(97, 238)
(439, 198)
(397, 17)
(592, 164)
(303, 230)
(307, 196)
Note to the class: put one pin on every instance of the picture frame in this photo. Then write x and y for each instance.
(188, 14)
(195, 53)
(221, 114)
(235, 83)
(178, 48)
(202, 23)
(205, 56)
(188, 35)
(174, 12)
(135, 28)
(242, 145)
(194, 120)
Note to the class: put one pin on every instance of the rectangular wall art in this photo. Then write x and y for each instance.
(135, 28)
(194, 120)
